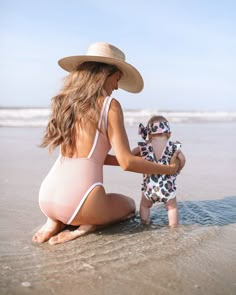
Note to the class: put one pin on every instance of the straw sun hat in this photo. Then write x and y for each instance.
(131, 79)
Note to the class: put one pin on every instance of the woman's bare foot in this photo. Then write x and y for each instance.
(66, 236)
(49, 229)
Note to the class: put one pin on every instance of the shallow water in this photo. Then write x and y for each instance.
(198, 257)
(134, 256)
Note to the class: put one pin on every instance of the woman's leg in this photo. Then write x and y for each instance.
(172, 209)
(98, 210)
(101, 208)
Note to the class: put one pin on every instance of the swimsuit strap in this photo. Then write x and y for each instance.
(100, 125)
(108, 103)
(103, 111)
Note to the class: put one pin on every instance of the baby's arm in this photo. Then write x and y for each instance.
(135, 151)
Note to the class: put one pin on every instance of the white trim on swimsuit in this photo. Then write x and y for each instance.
(82, 201)
(97, 132)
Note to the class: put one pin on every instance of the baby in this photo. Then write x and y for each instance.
(157, 147)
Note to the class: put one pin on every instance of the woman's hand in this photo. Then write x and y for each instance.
(182, 160)
(175, 162)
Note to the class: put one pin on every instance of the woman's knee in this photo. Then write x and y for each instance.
(132, 205)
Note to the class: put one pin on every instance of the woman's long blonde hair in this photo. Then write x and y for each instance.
(78, 96)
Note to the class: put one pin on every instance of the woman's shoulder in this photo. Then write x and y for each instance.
(115, 115)
(115, 107)
(115, 104)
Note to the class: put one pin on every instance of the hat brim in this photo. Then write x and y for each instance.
(130, 81)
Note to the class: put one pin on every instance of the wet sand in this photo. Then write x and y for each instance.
(198, 257)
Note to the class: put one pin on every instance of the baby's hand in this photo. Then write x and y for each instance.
(135, 151)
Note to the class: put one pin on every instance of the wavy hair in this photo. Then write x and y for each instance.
(74, 103)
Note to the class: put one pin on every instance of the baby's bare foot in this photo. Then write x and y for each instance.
(49, 229)
(66, 236)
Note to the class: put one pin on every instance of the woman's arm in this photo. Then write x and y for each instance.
(120, 144)
(111, 160)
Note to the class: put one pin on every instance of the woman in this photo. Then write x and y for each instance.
(86, 122)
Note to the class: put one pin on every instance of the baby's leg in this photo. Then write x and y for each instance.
(172, 209)
(145, 206)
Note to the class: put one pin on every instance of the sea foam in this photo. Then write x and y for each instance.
(38, 117)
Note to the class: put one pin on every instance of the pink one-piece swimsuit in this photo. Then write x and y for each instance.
(70, 180)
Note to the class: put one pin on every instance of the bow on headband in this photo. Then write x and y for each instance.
(143, 131)
(153, 128)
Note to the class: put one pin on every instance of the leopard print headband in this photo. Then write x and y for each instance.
(153, 128)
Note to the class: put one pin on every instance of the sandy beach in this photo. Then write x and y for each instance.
(198, 257)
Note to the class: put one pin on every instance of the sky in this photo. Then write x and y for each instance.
(185, 50)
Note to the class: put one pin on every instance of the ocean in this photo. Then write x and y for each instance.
(38, 117)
